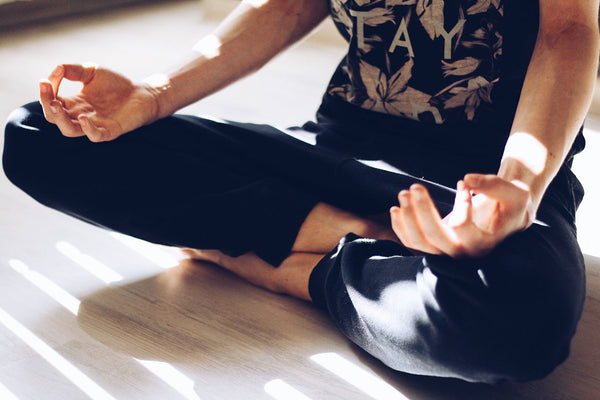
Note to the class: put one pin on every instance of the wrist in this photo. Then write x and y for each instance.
(159, 86)
(527, 164)
(532, 184)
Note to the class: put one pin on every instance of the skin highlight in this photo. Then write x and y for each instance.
(554, 101)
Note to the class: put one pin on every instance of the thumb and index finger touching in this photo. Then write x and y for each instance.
(73, 72)
(53, 108)
(78, 72)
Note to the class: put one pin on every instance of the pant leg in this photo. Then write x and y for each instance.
(507, 316)
(180, 181)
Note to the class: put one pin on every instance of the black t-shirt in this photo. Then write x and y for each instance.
(429, 86)
(434, 61)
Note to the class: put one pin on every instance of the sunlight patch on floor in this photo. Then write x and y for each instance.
(6, 394)
(89, 263)
(149, 251)
(280, 390)
(172, 377)
(166, 372)
(358, 377)
(46, 285)
(72, 373)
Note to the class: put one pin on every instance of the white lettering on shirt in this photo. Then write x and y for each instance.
(360, 25)
(448, 36)
(402, 37)
(398, 41)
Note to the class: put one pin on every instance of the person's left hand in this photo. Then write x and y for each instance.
(487, 209)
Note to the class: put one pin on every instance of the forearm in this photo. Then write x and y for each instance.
(244, 42)
(554, 101)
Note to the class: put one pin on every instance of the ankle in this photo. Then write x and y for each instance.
(375, 230)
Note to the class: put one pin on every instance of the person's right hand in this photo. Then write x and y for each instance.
(487, 209)
(107, 106)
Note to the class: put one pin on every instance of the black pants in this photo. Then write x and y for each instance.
(192, 182)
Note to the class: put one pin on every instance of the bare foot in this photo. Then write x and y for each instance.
(212, 256)
(291, 277)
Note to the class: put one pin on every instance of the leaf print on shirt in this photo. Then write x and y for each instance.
(431, 15)
(476, 75)
(499, 6)
(391, 94)
(385, 71)
(370, 43)
(460, 67)
(341, 16)
(482, 6)
(486, 38)
(477, 90)
(345, 91)
(363, 2)
(379, 15)
(377, 83)
(390, 3)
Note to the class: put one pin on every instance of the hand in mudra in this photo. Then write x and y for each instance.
(487, 209)
(107, 106)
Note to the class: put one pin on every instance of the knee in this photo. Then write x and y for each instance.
(23, 143)
(522, 362)
(519, 348)
(534, 319)
(510, 343)
(479, 359)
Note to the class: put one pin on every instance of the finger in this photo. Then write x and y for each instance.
(80, 73)
(55, 78)
(463, 207)
(398, 225)
(401, 218)
(46, 98)
(414, 232)
(438, 235)
(492, 186)
(93, 132)
(63, 120)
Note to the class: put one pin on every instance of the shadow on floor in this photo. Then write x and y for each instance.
(201, 318)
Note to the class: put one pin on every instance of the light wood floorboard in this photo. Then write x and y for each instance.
(166, 328)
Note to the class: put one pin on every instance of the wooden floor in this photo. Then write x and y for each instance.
(85, 314)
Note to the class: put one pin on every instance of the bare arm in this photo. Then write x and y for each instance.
(110, 104)
(556, 95)
(252, 35)
(554, 101)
